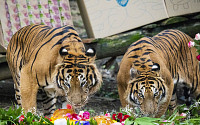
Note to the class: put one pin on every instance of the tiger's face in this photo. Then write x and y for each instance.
(77, 77)
(146, 91)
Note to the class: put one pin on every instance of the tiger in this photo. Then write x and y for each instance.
(55, 61)
(152, 67)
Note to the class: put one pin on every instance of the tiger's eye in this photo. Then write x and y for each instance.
(80, 70)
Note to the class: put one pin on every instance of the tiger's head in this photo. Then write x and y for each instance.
(77, 76)
(146, 91)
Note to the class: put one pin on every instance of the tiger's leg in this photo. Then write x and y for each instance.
(173, 102)
(49, 100)
(121, 91)
(197, 92)
(17, 91)
(49, 105)
(28, 91)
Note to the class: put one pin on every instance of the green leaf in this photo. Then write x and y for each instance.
(128, 122)
(68, 123)
(146, 121)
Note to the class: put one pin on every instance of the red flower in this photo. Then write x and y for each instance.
(119, 116)
(114, 116)
(125, 117)
(198, 57)
(21, 118)
(69, 106)
(75, 117)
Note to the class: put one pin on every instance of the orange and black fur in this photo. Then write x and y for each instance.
(151, 68)
(55, 61)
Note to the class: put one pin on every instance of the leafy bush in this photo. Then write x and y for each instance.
(16, 116)
(181, 116)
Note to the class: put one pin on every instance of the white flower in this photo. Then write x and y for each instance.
(191, 44)
(81, 113)
(60, 122)
(197, 36)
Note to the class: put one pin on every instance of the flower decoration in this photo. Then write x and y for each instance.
(191, 44)
(81, 116)
(119, 117)
(196, 43)
(69, 106)
(21, 118)
(197, 36)
(69, 115)
(198, 57)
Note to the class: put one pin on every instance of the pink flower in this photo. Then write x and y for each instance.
(198, 57)
(183, 114)
(86, 115)
(197, 36)
(107, 114)
(21, 118)
(191, 44)
(69, 115)
(167, 122)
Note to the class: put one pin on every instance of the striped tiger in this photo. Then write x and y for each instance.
(55, 61)
(152, 67)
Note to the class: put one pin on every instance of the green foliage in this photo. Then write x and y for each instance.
(13, 116)
(92, 121)
(183, 115)
(191, 117)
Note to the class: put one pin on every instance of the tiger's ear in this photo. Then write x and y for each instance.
(90, 52)
(155, 67)
(63, 51)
